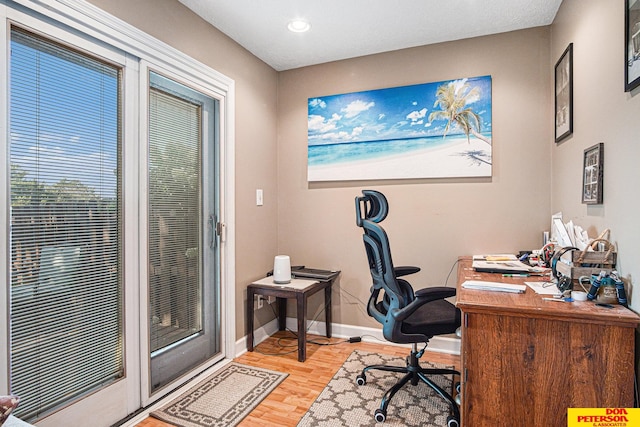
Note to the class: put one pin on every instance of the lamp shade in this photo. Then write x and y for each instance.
(282, 269)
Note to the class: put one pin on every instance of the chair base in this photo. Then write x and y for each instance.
(414, 374)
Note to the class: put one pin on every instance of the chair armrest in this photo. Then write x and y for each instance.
(423, 296)
(405, 270)
(437, 292)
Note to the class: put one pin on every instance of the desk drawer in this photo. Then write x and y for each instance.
(529, 371)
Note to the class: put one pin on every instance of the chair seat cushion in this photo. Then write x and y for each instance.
(434, 318)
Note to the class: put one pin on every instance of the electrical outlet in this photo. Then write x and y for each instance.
(258, 302)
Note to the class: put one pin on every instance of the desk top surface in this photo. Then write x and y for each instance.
(531, 304)
(293, 284)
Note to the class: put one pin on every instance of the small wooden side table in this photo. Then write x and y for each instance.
(299, 289)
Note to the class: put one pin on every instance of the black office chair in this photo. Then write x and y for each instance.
(406, 316)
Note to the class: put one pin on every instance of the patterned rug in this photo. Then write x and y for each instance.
(223, 399)
(344, 403)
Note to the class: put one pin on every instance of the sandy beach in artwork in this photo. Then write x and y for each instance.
(457, 158)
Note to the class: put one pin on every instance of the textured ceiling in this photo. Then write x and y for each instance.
(343, 29)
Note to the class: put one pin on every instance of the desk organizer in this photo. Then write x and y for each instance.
(586, 263)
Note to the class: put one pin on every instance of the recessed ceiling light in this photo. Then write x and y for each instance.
(299, 26)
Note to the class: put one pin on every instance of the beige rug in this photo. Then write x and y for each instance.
(223, 399)
(344, 403)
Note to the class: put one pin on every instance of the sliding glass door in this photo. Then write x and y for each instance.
(112, 202)
(66, 292)
(183, 255)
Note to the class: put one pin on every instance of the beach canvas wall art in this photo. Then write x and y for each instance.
(430, 130)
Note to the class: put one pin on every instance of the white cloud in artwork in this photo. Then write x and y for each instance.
(319, 123)
(461, 90)
(356, 107)
(317, 102)
(342, 136)
(417, 116)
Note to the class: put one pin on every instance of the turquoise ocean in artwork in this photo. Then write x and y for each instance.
(346, 152)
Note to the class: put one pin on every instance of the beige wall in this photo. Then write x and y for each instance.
(431, 222)
(255, 144)
(603, 112)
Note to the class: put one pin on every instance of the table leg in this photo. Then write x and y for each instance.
(327, 312)
(250, 295)
(282, 313)
(302, 323)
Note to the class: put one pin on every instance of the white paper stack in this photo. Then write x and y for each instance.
(494, 286)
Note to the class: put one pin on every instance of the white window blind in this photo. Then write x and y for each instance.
(66, 296)
(174, 215)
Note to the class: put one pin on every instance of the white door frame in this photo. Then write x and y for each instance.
(136, 45)
(227, 248)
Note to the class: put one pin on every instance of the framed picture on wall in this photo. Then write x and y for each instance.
(564, 94)
(632, 45)
(429, 130)
(592, 175)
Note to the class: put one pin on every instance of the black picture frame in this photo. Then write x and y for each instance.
(564, 95)
(592, 175)
(631, 45)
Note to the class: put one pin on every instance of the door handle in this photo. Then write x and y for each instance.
(215, 230)
(212, 225)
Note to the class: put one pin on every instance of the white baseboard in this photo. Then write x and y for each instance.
(448, 345)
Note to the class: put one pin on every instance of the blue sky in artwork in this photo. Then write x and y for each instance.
(389, 114)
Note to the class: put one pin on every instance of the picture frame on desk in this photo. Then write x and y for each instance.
(564, 95)
(632, 45)
(592, 175)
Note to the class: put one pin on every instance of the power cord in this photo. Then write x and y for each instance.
(281, 340)
(282, 344)
(446, 282)
(349, 297)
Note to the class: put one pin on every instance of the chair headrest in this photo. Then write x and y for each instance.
(372, 206)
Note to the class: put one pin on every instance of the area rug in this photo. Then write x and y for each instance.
(223, 399)
(344, 403)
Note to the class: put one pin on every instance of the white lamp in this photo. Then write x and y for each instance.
(282, 269)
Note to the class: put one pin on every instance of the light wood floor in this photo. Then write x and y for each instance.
(287, 404)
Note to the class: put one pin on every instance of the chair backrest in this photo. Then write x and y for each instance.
(371, 209)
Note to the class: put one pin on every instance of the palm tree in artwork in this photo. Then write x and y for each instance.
(452, 98)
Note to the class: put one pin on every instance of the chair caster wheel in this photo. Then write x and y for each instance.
(380, 416)
(361, 380)
(452, 421)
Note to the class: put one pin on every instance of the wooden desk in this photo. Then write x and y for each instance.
(282, 293)
(525, 360)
